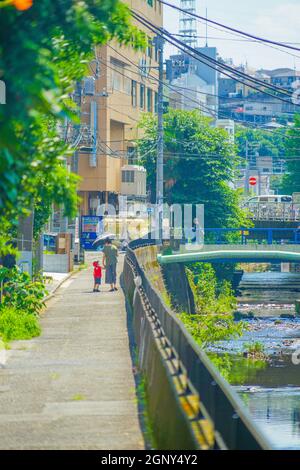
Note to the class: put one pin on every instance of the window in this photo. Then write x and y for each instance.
(133, 93)
(131, 155)
(119, 81)
(142, 96)
(149, 100)
(127, 176)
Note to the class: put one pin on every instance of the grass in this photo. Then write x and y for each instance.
(255, 351)
(142, 399)
(17, 325)
(4, 344)
(54, 376)
(254, 348)
(78, 397)
(82, 266)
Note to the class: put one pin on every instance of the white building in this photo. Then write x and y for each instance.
(228, 125)
(190, 92)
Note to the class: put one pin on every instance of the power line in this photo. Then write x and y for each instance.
(245, 40)
(229, 39)
(200, 104)
(216, 65)
(178, 86)
(252, 36)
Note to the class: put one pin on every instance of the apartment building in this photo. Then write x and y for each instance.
(113, 99)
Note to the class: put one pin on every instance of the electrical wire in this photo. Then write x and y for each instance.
(216, 64)
(185, 88)
(180, 45)
(245, 40)
(252, 36)
(199, 104)
(225, 39)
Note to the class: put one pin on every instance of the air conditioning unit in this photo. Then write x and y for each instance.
(133, 181)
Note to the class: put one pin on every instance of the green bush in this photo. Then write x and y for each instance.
(23, 293)
(210, 328)
(215, 304)
(15, 324)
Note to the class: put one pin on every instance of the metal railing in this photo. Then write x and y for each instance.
(246, 236)
(234, 428)
(275, 212)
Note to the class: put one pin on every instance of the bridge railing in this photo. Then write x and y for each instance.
(268, 211)
(246, 236)
(233, 426)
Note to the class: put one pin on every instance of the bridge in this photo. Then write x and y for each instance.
(252, 245)
(235, 253)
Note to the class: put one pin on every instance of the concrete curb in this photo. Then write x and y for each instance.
(49, 297)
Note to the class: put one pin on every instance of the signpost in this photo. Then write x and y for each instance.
(252, 181)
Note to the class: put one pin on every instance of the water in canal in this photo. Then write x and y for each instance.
(270, 389)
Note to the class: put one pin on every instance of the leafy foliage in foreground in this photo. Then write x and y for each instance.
(23, 293)
(44, 50)
(21, 301)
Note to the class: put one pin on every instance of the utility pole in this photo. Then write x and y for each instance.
(247, 169)
(160, 139)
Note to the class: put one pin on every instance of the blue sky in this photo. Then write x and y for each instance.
(274, 19)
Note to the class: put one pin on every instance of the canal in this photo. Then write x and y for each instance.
(262, 364)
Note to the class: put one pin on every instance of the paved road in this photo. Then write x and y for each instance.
(72, 388)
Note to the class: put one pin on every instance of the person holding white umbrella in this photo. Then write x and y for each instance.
(110, 260)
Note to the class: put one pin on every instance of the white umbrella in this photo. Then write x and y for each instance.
(103, 237)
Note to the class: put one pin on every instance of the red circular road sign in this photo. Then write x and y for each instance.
(252, 181)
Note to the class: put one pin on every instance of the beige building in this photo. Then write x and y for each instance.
(113, 99)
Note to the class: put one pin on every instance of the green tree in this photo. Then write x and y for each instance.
(199, 165)
(265, 144)
(291, 180)
(44, 50)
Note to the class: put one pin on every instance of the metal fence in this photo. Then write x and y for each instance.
(275, 212)
(247, 236)
(233, 426)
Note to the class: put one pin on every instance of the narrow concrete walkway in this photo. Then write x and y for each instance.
(72, 388)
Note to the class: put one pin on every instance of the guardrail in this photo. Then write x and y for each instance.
(247, 236)
(268, 211)
(233, 428)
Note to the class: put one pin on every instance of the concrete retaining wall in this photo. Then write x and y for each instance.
(166, 280)
(173, 410)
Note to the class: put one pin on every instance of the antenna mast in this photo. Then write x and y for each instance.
(188, 24)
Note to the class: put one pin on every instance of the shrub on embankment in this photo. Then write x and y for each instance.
(215, 303)
(21, 301)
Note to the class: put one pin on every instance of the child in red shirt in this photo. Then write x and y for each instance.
(97, 276)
